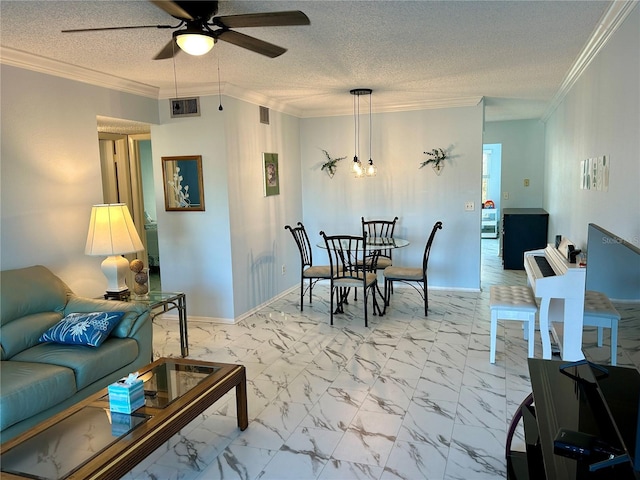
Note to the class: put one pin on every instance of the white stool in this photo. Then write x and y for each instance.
(512, 303)
(600, 312)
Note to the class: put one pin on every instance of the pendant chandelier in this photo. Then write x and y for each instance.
(358, 169)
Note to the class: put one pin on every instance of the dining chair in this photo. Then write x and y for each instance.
(380, 229)
(413, 276)
(346, 254)
(308, 271)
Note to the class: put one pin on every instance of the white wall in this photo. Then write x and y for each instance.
(228, 258)
(50, 170)
(599, 116)
(417, 196)
(195, 246)
(260, 244)
(522, 157)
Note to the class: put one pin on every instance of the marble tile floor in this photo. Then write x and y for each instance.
(410, 397)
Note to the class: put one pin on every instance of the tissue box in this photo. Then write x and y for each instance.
(125, 397)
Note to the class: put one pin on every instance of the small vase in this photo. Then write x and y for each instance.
(437, 167)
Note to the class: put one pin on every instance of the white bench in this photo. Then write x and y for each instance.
(600, 312)
(512, 302)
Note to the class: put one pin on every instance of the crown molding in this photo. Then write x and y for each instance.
(428, 104)
(36, 63)
(29, 61)
(608, 24)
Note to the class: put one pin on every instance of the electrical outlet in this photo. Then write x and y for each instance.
(505, 195)
(284, 269)
(526, 182)
(469, 206)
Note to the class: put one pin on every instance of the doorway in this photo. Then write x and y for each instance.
(127, 177)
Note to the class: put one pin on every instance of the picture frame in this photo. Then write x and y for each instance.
(271, 174)
(183, 185)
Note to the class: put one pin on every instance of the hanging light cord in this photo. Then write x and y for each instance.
(370, 157)
(355, 128)
(175, 76)
(219, 88)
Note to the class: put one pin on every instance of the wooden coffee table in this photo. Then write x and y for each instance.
(87, 441)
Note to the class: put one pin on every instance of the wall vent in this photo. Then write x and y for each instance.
(185, 107)
(264, 115)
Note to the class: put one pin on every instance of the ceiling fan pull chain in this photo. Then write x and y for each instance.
(219, 89)
(175, 75)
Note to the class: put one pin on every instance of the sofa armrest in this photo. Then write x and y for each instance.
(136, 314)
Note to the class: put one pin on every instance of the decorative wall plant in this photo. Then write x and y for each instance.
(437, 156)
(331, 164)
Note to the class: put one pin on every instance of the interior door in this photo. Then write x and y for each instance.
(121, 183)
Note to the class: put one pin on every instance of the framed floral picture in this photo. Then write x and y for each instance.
(183, 187)
(271, 174)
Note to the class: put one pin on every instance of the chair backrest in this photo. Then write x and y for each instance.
(379, 229)
(303, 243)
(427, 249)
(346, 257)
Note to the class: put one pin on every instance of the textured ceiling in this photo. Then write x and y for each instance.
(413, 54)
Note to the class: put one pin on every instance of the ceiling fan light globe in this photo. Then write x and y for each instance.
(194, 43)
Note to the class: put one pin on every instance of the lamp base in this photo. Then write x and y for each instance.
(122, 296)
(115, 268)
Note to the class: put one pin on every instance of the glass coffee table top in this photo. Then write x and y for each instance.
(65, 446)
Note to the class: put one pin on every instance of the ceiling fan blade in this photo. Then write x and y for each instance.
(115, 28)
(173, 9)
(251, 43)
(270, 19)
(169, 51)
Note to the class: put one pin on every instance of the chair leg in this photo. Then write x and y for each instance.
(600, 336)
(310, 291)
(366, 319)
(331, 303)
(426, 299)
(531, 332)
(302, 294)
(388, 285)
(494, 332)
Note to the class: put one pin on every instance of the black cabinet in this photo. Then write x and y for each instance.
(523, 229)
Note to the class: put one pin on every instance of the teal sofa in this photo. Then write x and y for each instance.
(38, 379)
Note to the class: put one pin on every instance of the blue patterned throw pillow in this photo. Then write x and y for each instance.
(83, 328)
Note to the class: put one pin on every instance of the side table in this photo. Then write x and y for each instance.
(163, 302)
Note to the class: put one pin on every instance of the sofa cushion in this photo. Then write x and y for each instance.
(25, 333)
(30, 290)
(89, 329)
(88, 364)
(30, 388)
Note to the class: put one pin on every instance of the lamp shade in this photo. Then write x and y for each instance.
(111, 231)
(194, 43)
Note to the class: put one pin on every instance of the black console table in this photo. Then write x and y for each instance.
(601, 401)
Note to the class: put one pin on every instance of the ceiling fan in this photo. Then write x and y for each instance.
(202, 28)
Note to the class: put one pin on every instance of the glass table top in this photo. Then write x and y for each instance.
(58, 451)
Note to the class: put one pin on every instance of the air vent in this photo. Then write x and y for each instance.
(264, 115)
(185, 107)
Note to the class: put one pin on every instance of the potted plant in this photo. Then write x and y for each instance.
(331, 164)
(437, 156)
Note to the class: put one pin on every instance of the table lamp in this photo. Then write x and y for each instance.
(112, 233)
